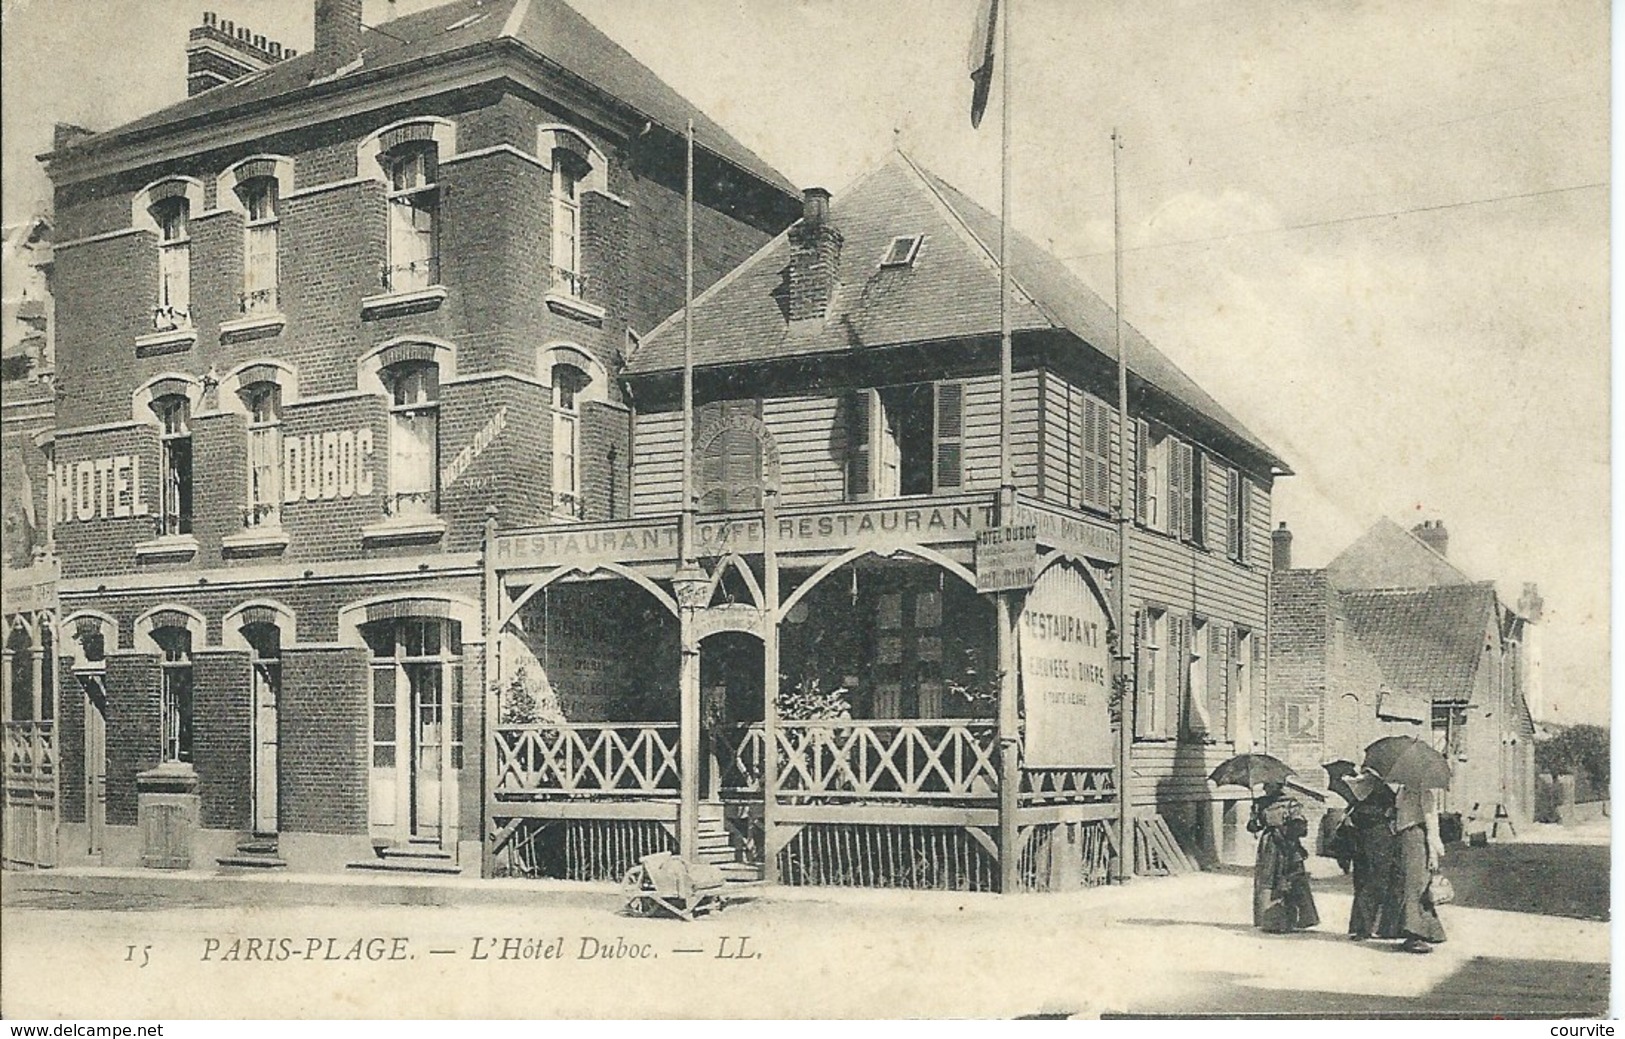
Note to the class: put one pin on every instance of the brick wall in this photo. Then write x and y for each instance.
(322, 758)
(219, 480)
(222, 737)
(70, 744)
(134, 730)
(606, 462)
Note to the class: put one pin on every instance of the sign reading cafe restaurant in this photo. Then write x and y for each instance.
(1066, 673)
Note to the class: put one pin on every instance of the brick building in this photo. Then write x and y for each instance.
(316, 322)
(1392, 638)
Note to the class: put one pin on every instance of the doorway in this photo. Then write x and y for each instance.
(731, 691)
(416, 689)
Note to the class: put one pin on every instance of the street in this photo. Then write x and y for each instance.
(1180, 945)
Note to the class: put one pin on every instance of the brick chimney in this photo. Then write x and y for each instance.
(1281, 548)
(1433, 535)
(338, 36)
(65, 135)
(815, 257)
(218, 52)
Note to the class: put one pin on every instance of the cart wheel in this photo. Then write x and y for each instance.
(640, 906)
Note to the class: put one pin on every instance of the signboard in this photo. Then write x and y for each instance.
(1082, 537)
(1066, 673)
(1006, 558)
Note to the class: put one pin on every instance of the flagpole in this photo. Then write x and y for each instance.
(688, 582)
(1125, 724)
(1009, 720)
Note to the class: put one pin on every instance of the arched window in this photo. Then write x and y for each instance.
(414, 217)
(173, 307)
(175, 691)
(263, 403)
(568, 382)
(414, 433)
(174, 412)
(416, 718)
(259, 196)
(20, 667)
(568, 171)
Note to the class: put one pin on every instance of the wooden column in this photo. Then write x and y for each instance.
(691, 587)
(490, 671)
(770, 686)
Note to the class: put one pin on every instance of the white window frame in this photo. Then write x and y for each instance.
(414, 407)
(177, 693)
(176, 481)
(173, 308)
(263, 403)
(1153, 691)
(1196, 691)
(568, 382)
(567, 184)
(413, 199)
(261, 234)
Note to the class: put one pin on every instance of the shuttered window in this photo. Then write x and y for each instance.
(259, 295)
(1220, 715)
(1198, 531)
(1240, 513)
(1181, 495)
(1145, 509)
(949, 436)
(905, 440)
(1156, 692)
(859, 437)
(1178, 675)
(1241, 688)
(731, 466)
(1198, 719)
(1097, 439)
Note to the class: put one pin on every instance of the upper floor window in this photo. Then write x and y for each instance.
(173, 307)
(905, 440)
(174, 414)
(1155, 674)
(1240, 516)
(414, 218)
(175, 691)
(1198, 715)
(263, 402)
(568, 383)
(1095, 455)
(730, 467)
(260, 240)
(1171, 484)
(568, 170)
(414, 433)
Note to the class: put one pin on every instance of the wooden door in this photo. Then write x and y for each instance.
(265, 748)
(95, 766)
(428, 746)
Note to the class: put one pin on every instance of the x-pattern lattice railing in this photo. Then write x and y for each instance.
(887, 758)
(615, 758)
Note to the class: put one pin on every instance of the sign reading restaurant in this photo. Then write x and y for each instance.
(841, 527)
(1066, 673)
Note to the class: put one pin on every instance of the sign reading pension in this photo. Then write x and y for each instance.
(1006, 558)
(1066, 673)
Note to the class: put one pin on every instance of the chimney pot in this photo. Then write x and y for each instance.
(815, 258)
(1433, 534)
(208, 17)
(1281, 548)
(815, 208)
(338, 35)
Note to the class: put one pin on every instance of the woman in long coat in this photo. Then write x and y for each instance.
(1371, 819)
(1282, 900)
(1417, 853)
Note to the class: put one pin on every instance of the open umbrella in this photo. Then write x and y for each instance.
(1249, 770)
(1337, 779)
(1408, 761)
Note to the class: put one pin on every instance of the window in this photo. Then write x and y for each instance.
(259, 295)
(1450, 731)
(901, 251)
(414, 433)
(1151, 693)
(414, 219)
(1241, 691)
(263, 401)
(568, 382)
(1197, 527)
(1151, 461)
(567, 174)
(1171, 477)
(174, 305)
(174, 464)
(730, 467)
(416, 683)
(905, 440)
(1240, 515)
(175, 691)
(1097, 443)
(1197, 722)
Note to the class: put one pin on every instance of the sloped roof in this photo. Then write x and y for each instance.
(1389, 556)
(950, 292)
(551, 29)
(1427, 642)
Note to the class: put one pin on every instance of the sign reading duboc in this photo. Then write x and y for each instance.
(1066, 673)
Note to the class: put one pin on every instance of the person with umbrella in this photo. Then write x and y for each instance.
(1282, 899)
(1371, 817)
(1414, 771)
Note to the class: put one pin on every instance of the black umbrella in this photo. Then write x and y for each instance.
(1249, 770)
(1408, 761)
(1337, 779)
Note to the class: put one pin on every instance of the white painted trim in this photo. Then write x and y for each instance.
(143, 627)
(174, 335)
(573, 306)
(562, 351)
(141, 400)
(547, 135)
(369, 377)
(618, 200)
(105, 427)
(255, 539)
(252, 323)
(332, 398)
(496, 149)
(443, 132)
(492, 376)
(429, 528)
(332, 185)
(225, 185)
(279, 575)
(103, 237)
(435, 294)
(167, 546)
(141, 203)
(350, 618)
(231, 633)
(109, 629)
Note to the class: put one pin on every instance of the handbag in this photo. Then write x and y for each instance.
(1440, 891)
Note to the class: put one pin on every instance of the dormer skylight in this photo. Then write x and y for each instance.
(902, 250)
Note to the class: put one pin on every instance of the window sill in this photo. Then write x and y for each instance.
(255, 542)
(171, 341)
(255, 326)
(574, 306)
(390, 304)
(397, 531)
(168, 547)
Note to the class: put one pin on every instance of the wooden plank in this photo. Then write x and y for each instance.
(916, 815)
(657, 811)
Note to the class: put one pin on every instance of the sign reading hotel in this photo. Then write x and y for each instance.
(1066, 674)
(1006, 558)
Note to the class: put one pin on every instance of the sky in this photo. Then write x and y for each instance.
(1377, 232)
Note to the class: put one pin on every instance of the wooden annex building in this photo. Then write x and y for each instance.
(365, 494)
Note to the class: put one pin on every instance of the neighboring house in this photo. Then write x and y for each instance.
(1392, 638)
(854, 362)
(317, 321)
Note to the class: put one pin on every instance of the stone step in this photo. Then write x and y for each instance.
(257, 847)
(445, 868)
(415, 853)
(252, 862)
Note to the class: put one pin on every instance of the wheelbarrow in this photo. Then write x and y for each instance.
(662, 882)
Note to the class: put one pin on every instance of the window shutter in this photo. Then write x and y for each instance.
(1243, 516)
(1199, 499)
(741, 458)
(1184, 473)
(1179, 673)
(950, 435)
(1233, 512)
(1142, 697)
(859, 474)
(1096, 451)
(711, 468)
(1142, 483)
(1218, 709)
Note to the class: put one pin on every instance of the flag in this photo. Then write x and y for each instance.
(981, 59)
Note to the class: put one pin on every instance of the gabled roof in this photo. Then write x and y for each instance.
(1389, 556)
(950, 292)
(1427, 642)
(551, 29)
